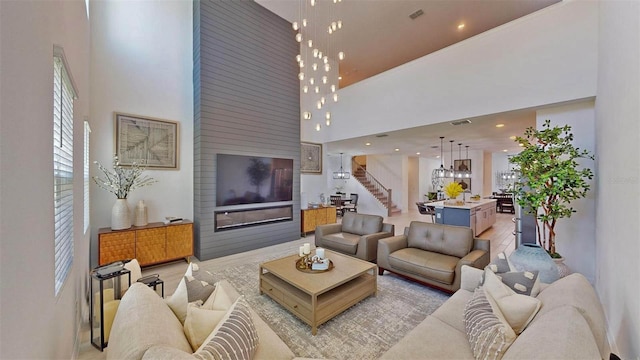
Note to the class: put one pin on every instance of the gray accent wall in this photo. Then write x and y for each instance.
(246, 102)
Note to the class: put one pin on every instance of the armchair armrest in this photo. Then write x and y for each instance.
(390, 228)
(482, 244)
(322, 230)
(476, 258)
(388, 245)
(368, 245)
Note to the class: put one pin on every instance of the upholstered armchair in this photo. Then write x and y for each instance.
(357, 235)
(433, 254)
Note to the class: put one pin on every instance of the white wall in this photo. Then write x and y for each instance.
(547, 57)
(618, 176)
(34, 322)
(142, 64)
(575, 236)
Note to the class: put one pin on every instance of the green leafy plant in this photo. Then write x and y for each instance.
(121, 181)
(549, 178)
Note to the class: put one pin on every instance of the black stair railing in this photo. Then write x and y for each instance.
(372, 184)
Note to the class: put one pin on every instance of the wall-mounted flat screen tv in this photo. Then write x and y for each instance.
(244, 179)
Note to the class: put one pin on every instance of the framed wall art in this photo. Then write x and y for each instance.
(465, 183)
(311, 158)
(462, 165)
(147, 141)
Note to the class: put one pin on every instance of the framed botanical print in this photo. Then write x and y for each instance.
(146, 141)
(465, 183)
(311, 158)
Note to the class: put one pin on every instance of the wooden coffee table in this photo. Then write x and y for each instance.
(316, 298)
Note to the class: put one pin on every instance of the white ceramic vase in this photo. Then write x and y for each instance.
(563, 269)
(120, 215)
(141, 214)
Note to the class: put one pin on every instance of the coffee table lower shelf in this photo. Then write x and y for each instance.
(318, 309)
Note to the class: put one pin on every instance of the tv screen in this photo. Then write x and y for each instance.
(252, 179)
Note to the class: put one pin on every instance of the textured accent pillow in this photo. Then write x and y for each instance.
(522, 282)
(517, 309)
(500, 264)
(219, 299)
(235, 337)
(488, 335)
(199, 285)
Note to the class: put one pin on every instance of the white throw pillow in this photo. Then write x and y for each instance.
(201, 320)
(179, 300)
(517, 309)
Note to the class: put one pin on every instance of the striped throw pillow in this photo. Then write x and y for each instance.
(488, 335)
(235, 338)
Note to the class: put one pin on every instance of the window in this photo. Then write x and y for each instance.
(63, 96)
(87, 131)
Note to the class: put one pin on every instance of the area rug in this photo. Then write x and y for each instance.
(364, 331)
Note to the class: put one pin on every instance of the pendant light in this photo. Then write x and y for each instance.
(458, 173)
(451, 173)
(341, 174)
(467, 173)
(440, 172)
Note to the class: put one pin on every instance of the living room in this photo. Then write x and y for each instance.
(146, 68)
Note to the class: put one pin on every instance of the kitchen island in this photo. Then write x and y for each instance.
(479, 215)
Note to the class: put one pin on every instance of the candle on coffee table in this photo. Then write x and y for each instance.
(307, 248)
(320, 253)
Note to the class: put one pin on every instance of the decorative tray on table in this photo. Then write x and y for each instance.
(308, 267)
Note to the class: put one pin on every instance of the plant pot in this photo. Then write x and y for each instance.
(563, 269)
(533, 257)
(120, 215)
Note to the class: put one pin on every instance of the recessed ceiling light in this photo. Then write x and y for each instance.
(339, 77)
(418, 153)
(437, 156)
(512, 137)
(461, 26)
(505, 150)
(396, 149)
(499, 125)
(367, 144)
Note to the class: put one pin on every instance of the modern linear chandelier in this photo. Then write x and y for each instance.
(317, 30)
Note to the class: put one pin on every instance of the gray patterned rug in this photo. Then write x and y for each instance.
(364, 331)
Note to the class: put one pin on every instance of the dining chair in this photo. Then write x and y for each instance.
(352, 205)
(336, 200)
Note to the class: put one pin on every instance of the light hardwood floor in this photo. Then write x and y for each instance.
(500, 235)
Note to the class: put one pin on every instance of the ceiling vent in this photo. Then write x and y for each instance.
(381, 135)
(461, 122)
(416, 14)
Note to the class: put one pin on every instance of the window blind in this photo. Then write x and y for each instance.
(87, 131)
(63, 95)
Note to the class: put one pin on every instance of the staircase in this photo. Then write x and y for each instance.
(375, 188)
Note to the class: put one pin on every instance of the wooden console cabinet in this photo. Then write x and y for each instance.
(151, 244)
(310, 218)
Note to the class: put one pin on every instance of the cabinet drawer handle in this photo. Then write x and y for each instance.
(270, 289)
(295, 306)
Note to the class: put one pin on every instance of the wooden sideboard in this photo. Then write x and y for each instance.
(310, 218)
(151, 244)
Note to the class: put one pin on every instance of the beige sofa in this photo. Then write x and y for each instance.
(146, 328)
(357, 235)
(569, 325)
(433, 254)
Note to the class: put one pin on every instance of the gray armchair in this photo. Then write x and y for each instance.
(357, 235)
(433, 254)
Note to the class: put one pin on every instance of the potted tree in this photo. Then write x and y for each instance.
(550, 178)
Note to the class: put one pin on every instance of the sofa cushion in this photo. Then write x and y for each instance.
(488, 335)
(361, 224)
(444, 239)
(144, 320)
(234, 338)
(561, 333)
(517, 309)
(451, 312)
(343, 242)
(427, 264)
(431, 339)
(575, 290)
